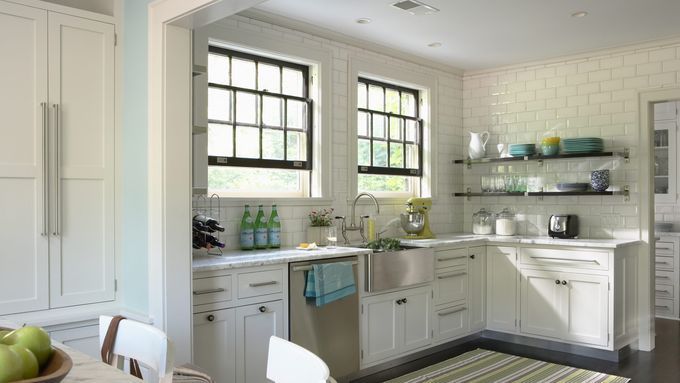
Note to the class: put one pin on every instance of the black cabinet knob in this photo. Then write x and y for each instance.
(564, 283)
(472, 256)
(210, 318)
(557, 281)
(262, 309)
(404, 300)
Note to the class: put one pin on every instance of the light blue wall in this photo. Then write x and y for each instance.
(134, 268)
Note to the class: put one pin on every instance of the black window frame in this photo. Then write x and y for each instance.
(389, 170)
(262, 162)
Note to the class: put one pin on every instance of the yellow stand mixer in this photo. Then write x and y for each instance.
(416, 220)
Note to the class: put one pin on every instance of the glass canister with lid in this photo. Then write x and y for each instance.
(482, 222)
(506, 223)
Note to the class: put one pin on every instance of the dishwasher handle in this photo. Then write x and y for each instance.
(309, 267)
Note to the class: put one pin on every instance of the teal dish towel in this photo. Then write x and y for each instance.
(328, 282)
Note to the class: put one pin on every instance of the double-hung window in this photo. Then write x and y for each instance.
(259, 125)
(390, 138)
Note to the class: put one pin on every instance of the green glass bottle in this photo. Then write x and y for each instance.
(247, 231)
(260, 229)
(274, 229)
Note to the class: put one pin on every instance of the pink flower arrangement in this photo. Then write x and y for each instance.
(323, 217)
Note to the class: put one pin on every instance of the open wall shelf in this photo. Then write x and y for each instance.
(625, 154)
(624, 192)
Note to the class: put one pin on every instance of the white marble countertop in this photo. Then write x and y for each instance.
(249, 258)
(466, 238)
(85, 368)
(239, 258)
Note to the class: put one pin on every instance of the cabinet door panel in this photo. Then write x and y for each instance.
(450, 322)
(502, 288)
(81, 63)
(255, 325)
(541, 303)
(215, 344)
(450, 285)
(379, 325)
(416, 308)
(23, 87)
(476, 301)
(586, 308)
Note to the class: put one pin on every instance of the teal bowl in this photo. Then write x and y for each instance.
(550, 150)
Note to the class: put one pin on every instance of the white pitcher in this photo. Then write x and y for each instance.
(477, 147)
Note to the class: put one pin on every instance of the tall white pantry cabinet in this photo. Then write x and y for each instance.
(56, 160)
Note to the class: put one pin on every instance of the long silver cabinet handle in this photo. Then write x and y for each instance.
(258, 284)
(450, 275)
(662, 307)
(57, 171)
(451, 258)
(456, 310)
(45, 139)
(566, 260)
(209, 291)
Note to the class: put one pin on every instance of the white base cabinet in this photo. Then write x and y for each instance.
(667, 281)
(395, 323)
(476, 301)
(501, 288)
(235, 314)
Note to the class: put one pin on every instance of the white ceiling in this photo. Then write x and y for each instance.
(479, 34)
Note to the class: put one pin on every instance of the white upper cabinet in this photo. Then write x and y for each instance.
(81, 65)
(56, 159)
(23, 166)
(665, 148)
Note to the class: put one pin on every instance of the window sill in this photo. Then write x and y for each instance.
(279, 201)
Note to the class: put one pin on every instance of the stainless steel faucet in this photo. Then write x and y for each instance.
(352, 225)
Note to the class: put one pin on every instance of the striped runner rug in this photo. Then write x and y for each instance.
(483, 366)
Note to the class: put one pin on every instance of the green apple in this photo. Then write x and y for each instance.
(34, 339)
(11, 365)
(29, 361)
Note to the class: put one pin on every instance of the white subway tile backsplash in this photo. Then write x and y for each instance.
(595, 97)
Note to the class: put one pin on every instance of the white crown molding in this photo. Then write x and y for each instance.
(286, 22)
(581, 56)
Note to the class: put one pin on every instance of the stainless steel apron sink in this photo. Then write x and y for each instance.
(386, 270)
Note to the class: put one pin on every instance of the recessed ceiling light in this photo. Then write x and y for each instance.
(363, 20)
(435, 44)
(579, 14)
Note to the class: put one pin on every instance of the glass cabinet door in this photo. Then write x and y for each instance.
(665, 146)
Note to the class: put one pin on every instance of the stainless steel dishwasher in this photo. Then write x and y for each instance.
(330, 331)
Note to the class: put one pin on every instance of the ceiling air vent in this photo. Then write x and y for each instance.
(415, 7)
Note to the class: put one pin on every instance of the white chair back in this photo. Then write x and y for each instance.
(149, 345)
(289, 363)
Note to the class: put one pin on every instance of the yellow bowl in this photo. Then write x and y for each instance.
(551, 140)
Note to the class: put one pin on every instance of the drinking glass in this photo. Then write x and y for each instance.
(332, 237)
(499, 184)
(510, 185)
(486, 184)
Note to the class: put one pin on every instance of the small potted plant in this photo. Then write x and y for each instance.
(319, 221)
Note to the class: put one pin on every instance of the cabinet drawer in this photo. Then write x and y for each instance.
(665, 291)
(666, 247)
(664, 263)
(453, 257)
(664, 307)
(450, 285)
(665, 277)
(260, 283)
(450, 322)
(583, 259)
(211, 290)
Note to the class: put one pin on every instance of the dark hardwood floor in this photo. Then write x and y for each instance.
(661, 365)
